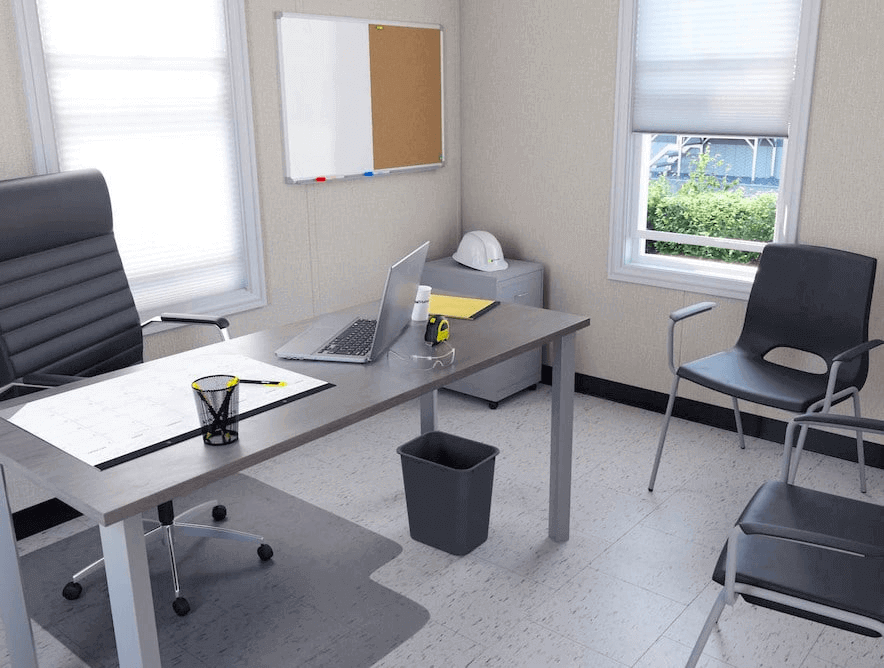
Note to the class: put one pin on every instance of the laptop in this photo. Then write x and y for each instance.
(333, 337)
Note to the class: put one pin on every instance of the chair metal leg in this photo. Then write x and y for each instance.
(99, 563)
(203, 531)
(167, 528)
(786, 461)
(711, 621)
(860, 447)
(194, 511)
(170, 544)
(796, 458)
(666, 419)
(739, 423)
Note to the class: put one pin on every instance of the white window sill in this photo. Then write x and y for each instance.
(688, 275)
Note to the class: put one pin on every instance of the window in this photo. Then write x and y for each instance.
(157, 97)
(712, 110)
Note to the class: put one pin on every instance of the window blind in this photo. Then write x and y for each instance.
(143, 93)
(715, 67)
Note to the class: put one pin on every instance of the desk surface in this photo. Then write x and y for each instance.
(360, 391)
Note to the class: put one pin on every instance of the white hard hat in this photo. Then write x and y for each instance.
(480, 250)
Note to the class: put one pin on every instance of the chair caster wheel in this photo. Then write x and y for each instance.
(219, 513)
(72, 591)
(265, 552)
(181, 606)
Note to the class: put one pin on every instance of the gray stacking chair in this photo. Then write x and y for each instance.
(805, 552)
(807, 298)
(66, 312)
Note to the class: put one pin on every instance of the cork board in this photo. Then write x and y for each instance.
(359, 98)
(406, 95)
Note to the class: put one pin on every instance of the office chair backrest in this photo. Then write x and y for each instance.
(813, 299)
(65, 303)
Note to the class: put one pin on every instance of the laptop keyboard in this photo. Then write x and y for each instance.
(355, 340)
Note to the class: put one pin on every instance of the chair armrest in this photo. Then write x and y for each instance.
(850, 422)
(856, 351)
(692, 310)
(192, 319)
(46, 380)
(820, 420)
(679, 315)
(34, 382)
(789, 512)
(831, 396)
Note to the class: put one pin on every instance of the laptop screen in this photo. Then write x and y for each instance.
(397, 301)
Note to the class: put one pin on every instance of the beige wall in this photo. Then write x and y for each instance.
(328, 245)
(325, 245)
(538, 117)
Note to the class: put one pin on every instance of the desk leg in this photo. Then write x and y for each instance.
(429, 403)
(561, 437)
(128, 583)
(19, 636)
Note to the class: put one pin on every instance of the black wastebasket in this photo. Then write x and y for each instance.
(448, 481)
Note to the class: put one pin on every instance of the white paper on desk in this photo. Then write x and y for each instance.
(120, 416)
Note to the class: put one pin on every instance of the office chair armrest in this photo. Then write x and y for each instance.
(820, 420)
(837, 421)
(689, 311)
(34, 382)
(856, 351)
(47, 380)
(831, 397)
(191, 319)
(679, 315)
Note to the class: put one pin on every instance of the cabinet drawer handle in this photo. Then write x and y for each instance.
(521, 297)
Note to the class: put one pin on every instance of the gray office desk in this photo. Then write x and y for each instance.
(117, 497)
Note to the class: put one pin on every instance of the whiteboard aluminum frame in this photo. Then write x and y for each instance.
(324, 178)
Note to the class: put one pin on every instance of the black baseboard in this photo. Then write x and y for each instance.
(834, 445)
(41, 516)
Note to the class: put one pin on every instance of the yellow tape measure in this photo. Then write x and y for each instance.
(437, 329)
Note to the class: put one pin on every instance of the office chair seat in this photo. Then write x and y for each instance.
(841, 581)
(835, 579)
(745, 376)
(804, 552)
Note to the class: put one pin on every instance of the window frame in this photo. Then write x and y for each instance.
(43, 134)
(629, 182)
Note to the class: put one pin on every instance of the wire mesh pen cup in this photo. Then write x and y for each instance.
(217, 404)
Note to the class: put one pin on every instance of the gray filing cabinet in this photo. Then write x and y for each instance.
(521, 282)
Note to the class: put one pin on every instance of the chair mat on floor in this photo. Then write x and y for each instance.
(313, 604)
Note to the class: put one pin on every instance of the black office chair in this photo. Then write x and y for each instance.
(804, 552)
(66, 312)
(806, 298)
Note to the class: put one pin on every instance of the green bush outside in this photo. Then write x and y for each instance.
(710, 206)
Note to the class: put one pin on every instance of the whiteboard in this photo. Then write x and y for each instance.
(333, 126)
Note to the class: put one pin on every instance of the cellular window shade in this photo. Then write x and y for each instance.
(715, 67)
(143, 93)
